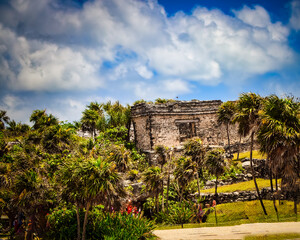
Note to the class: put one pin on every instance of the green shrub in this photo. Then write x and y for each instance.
(62, 224)
(179, 213)
(133, 174)
(101, 225)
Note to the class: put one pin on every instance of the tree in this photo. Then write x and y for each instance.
(154, 182)
(215, 165)
(17, 129)
(162, 158)
(118, 115)
(248, 119)
(88, 182)
(225, 116)
(279, 138)
(41, 120)
(3, 119)
(193, 148)
(89, 119)
(184, 173)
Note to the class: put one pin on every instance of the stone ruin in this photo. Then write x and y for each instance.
(172, 123)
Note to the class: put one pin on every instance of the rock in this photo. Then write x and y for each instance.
(210, 183)
(246, 164)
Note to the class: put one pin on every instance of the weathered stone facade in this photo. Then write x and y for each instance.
(170, 124)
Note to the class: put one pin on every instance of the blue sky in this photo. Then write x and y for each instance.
(60, 55)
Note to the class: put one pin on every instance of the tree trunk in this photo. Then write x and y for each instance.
(253, 174)
(276, 187)
(85, 219)
(271, 180)
(228, 139)
(157, 201)
(273, 197)
(198, 184)
(216, 190)
(162, 199)
(216, 216)
(78, 220)
(239, 145)
(167, 200)
(296, 193)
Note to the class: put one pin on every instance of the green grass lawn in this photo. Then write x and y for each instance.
(251, 212)
(242, 186)
(229, 214)
(274, 236)
(255, 154)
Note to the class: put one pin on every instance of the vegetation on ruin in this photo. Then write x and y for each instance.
(52, 178)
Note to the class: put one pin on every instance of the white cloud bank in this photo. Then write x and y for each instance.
(295, 18)
(45, 46)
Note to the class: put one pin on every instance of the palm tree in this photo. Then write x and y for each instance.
(184, 173)
(118, 115)
(89, 120)
(154, 182)
(40, 119)
(193, 148)
(3, 119)
(17, 129)
(279, 138)
(162, 155)
(247, 117)
(225, 116)
(215, 165)
(88, 182)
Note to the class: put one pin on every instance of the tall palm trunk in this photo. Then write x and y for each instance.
(157, 201)
(239, 146)
(216, 190)
(78, 220)
(168, 186)
(88, 204)
(162, 199)
(198, 184)
(253, 174)
(228, 139)
(273, 197)
(276, 187)
(295, 205)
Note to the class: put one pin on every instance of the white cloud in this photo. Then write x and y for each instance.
(295, 18)
(46, 46)
(16, 107)
(143, 71)
(34, 65)
(169, 88)
(257, 17)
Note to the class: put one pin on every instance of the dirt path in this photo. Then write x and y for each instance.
(232, 232)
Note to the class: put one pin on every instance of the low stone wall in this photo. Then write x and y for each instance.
(237, 196)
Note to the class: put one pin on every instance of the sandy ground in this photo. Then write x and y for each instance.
(232, 232)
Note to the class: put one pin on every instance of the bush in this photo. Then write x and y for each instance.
(120, 226)
(62, 224)
(101, 225)
(179, 213)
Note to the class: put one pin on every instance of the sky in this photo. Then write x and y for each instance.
(60, 55)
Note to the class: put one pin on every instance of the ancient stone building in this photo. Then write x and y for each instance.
(170, 124)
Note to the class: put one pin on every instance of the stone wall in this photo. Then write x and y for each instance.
(172, 123)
